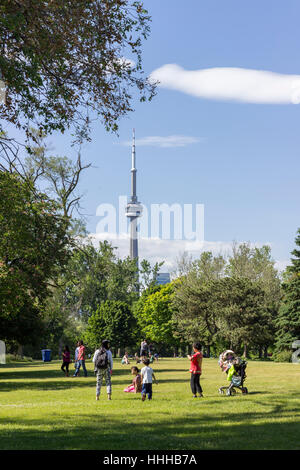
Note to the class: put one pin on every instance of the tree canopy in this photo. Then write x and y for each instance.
(113, 320)
(34, 248)
(154, 314)
(288, 321)
(63, 62)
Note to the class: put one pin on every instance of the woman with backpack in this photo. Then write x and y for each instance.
(103, 363)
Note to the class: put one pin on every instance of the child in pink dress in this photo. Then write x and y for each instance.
(136, 385)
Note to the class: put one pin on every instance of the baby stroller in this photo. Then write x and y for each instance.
(235, 368)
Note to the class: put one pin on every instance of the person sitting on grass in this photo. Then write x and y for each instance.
(136, 358)
(125, 359)
(136, 385)
(196, 370)
(66, 361)
(151, 358)
(147, 375)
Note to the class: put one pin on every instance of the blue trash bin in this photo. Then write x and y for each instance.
(46, 355)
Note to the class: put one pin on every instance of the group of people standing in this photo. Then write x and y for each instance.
(142, 380)
(141, 383)
(79, 362)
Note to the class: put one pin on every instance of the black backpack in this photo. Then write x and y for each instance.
(101, 361)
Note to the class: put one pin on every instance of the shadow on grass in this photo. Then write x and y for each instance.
(101, 432)
(53, 379)
(13, 374)
(17, 365)
(62, 384)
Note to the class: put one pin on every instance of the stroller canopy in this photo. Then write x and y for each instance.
(226, 358)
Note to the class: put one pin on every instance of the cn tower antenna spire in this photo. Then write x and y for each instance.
(133, 150)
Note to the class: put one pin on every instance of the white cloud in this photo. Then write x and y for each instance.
(231, 84)
(157, 250)
(167, 141)
(127, 62)
(281, 265)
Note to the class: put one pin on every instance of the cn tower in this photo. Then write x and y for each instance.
(134, 208)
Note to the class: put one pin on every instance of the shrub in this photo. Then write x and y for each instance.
(15, 358)
(283, 356)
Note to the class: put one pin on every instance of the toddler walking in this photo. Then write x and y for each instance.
(147, 375)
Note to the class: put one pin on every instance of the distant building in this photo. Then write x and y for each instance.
(163, 278)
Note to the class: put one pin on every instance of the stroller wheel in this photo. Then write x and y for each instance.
(221, 391)
(228, 393)
(245, 390)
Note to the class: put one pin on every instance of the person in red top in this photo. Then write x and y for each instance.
(81, 360)
(196, 369)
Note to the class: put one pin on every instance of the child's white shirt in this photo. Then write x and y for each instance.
(147, 373)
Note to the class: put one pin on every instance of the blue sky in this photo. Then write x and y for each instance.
(244, 163)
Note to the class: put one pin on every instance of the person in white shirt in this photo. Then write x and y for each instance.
(147, 375)
(76, 355)
(105, 372)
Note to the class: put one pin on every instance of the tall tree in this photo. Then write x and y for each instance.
(208, 266)
(193, 315)
(34, 248)
(95, 275)
(240, 317)
(257, 265)
(59, 173)
(288, 321)
(226, 309)
(154, 314)
(113, 320)
(148, 274)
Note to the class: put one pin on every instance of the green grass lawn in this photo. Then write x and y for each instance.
(42, 409)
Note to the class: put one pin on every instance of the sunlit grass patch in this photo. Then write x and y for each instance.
(42, 409)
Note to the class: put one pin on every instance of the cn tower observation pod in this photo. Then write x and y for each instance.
(134, 209)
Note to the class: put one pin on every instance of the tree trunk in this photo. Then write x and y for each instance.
(20, 350)
(60, 347)
(260, 352)
(245, 351)
(265, 352)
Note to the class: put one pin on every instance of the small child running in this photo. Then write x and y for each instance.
(147, 374)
